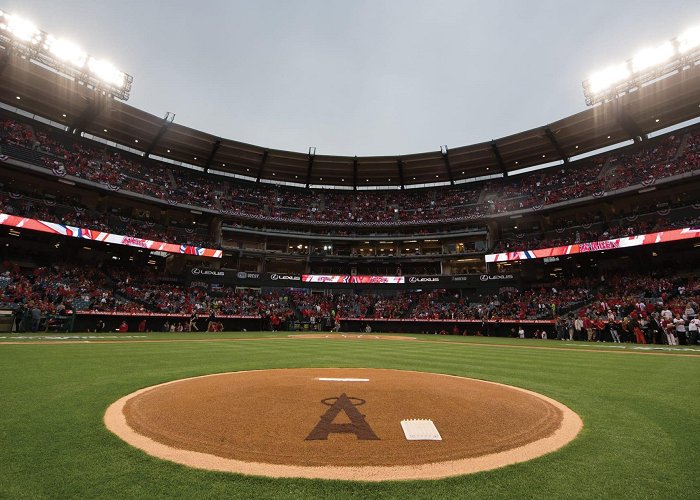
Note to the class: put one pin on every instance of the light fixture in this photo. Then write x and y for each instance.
(689, 39)
(64, 56)
(608, 77)
(22, 29)
(652, 56)
(647, 65)
(66, 51)
(107, 72)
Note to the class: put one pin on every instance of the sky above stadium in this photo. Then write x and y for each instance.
(361, 77)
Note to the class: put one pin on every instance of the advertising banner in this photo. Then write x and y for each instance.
(244, 278)
(290, 280)
(485, 279)
(462, 280)
(95, 235)
(350, 279)
(598, 246)
(426, 320)
(284, 279)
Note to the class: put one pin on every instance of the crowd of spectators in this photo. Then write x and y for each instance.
(596, 231)
(638, 308)
(632, 307)
(154, 295)
(70, 212)
(118, 170)
(651, 163)
(547, 187)
(598, 177)
(507, 304)
(62, 288)
(59, 288)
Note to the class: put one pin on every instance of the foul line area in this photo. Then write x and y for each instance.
(143, 339)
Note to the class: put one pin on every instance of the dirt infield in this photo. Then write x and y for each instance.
(349, 336)
(338, 423)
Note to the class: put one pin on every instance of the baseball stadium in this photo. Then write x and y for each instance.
(184, 314)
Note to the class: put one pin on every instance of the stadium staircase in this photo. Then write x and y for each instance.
(682, 145)
(483, 194)
(298, 316)
(171, 176)
(408, 313)
(606, 169)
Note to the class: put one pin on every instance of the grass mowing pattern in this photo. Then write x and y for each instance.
(639, 411)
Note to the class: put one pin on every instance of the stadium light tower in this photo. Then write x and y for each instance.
(20, 36)
(648, 65)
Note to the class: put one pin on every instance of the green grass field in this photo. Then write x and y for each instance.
(640, 413)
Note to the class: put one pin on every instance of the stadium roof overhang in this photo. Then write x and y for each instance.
(43, 92)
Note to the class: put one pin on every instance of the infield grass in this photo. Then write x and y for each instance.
(640, 414)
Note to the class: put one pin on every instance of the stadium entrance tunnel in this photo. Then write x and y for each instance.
(342, 423)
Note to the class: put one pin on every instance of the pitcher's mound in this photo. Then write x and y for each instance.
(342, 423)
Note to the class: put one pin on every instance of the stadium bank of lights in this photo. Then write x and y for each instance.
(647, 65)
(21, 37)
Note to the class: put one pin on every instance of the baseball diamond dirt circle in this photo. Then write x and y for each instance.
(342, 423)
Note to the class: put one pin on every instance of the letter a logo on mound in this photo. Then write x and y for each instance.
(358, 425)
